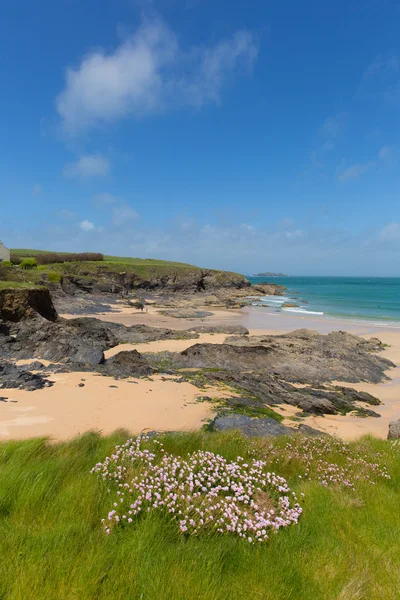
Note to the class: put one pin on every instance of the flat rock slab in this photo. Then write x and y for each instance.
(185, 313)
(252, 427)
(228, 329)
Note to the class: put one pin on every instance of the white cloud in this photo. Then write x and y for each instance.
(297, 233)
(89, 165)
(37, 189)
(86, 225)
(146, 74)
(247, 227)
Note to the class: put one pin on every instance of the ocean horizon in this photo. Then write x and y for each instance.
(371, 299)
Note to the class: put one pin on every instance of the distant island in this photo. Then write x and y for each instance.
(269, 274)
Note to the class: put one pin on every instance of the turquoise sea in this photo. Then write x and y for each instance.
(358, 298)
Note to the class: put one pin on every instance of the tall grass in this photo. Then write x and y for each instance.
(52, 544)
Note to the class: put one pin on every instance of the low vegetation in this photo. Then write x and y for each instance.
(53, 542)
(48, 258)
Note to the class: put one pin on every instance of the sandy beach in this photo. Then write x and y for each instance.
(105, 404)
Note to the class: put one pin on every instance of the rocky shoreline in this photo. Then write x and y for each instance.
(258, 373)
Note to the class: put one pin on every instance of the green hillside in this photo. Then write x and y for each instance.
(110, 268)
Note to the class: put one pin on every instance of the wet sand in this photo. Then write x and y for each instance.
(66, 410)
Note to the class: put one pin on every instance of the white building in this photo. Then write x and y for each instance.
(4, 252)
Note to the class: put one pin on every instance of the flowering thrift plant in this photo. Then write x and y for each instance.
(203, 492)
(327, 460)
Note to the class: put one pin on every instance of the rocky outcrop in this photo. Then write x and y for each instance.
(265, 389)
(394, 430)
(267, 371)
(166, 279)
(305, 356)
(82, 340)
(24, 303)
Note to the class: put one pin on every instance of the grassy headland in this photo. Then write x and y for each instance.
(144, 269)
(53, 544)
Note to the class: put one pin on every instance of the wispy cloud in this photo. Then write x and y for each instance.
(390, 233)
(381, 79)
(117, 208)
(382, 66)
(355, 171)
(148, 73)
(333, 127)
(328, 134)
(89, 165)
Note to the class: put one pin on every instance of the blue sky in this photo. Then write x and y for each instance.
(246, 135)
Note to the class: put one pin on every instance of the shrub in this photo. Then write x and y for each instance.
(6, 263)
(15, 259)
(53, 276)
(55, 257)
(28, 263)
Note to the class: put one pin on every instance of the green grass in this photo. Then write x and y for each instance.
(8, 285)
(52, 545)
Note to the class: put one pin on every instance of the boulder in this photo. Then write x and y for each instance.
(128, 363)
(394, 430)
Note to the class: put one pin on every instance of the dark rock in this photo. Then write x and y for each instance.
(224, 356)
(394, 430)
(82, 340)
(33, 366)
(12, 376)
(127, 364)
(252, 427)
(81, 385)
